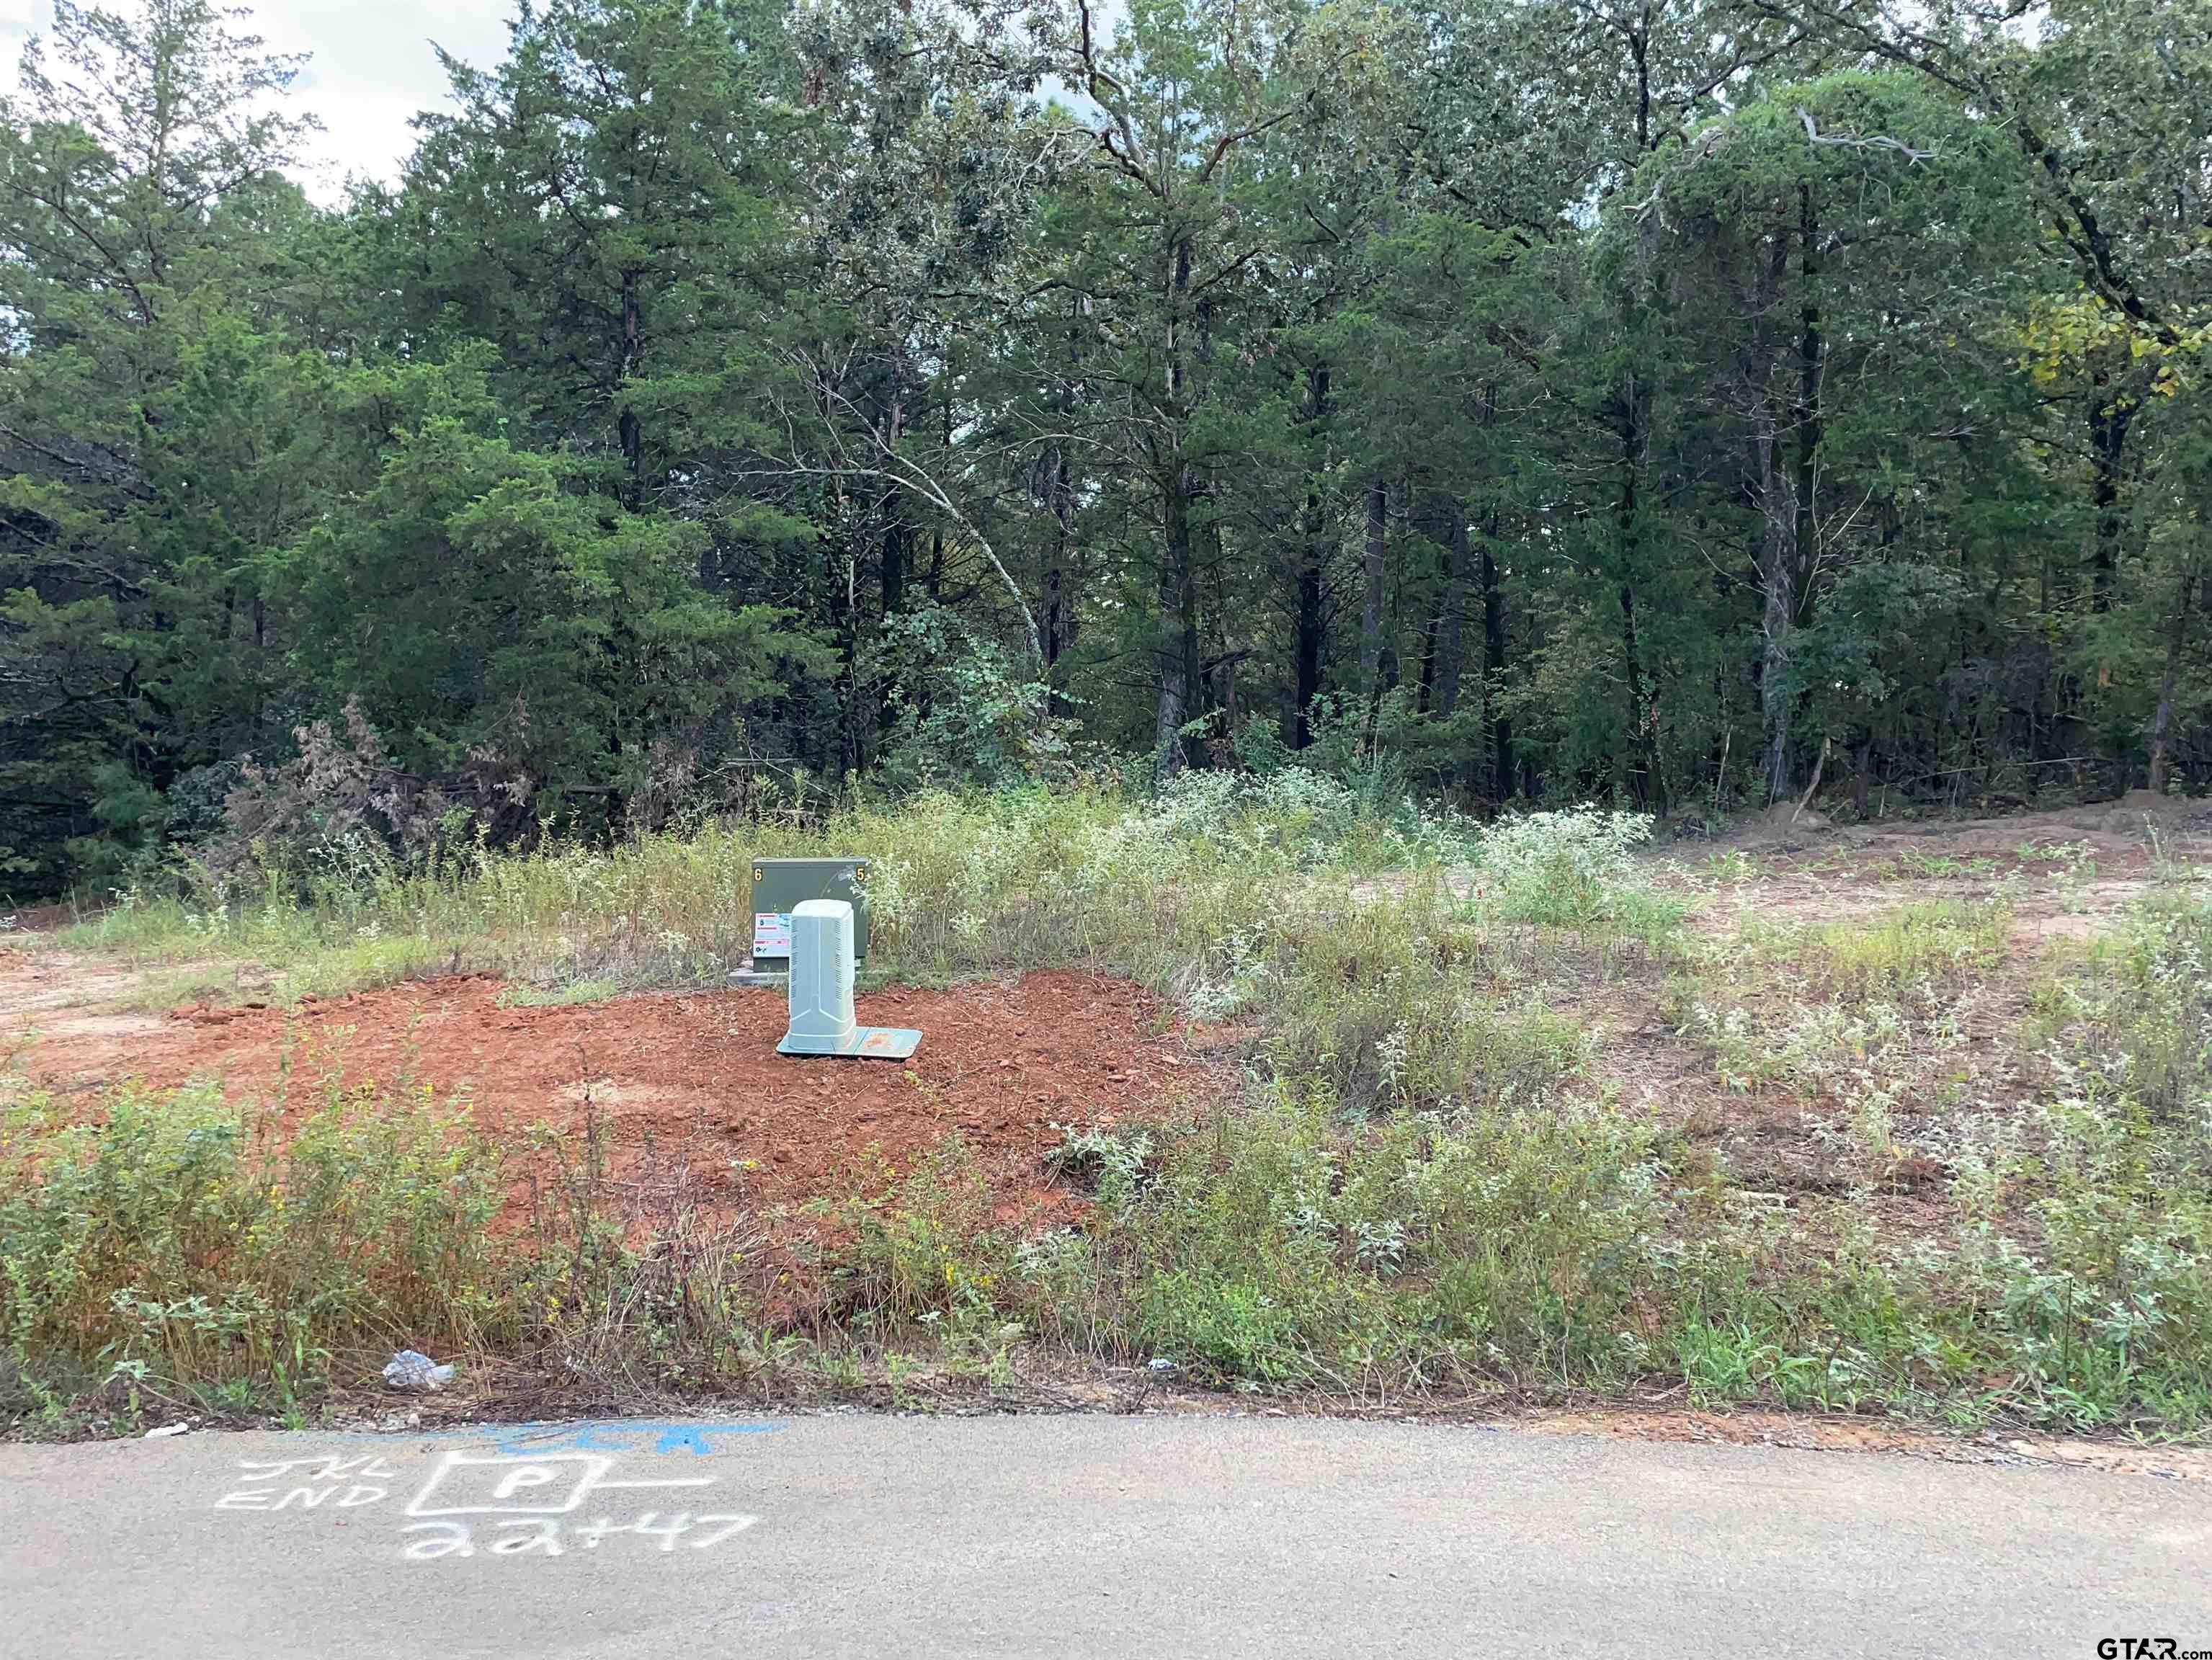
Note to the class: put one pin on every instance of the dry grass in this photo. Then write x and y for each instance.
(1900, 1159)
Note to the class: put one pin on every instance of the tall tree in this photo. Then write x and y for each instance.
(146, 395)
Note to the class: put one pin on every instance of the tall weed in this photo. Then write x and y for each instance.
(184, 1252)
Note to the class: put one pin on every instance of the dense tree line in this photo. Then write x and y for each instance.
(1663, 400)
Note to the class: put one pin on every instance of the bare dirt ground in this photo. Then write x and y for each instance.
(689, 1085)
(676, 1087)
(2064, 874)
(2062, 877)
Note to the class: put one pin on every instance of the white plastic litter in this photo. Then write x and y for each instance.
(166, 1431)
(416, 1372)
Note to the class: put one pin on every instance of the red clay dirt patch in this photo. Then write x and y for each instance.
(692, 1082)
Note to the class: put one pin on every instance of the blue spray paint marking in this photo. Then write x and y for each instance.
(621, 1435)
(597, 1435)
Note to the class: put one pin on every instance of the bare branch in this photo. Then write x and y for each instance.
(887, 465)
(1851, 141)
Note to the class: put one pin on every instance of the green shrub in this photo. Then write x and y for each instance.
(174, 1245)
(1566, 869)
(1915, 954)
(1423, 1187)
(2072, 1287)
(1387, 1003)
(964, 884)
(1111, 1161)
(1275, 1246)
(2145, 998)
(926, 1249)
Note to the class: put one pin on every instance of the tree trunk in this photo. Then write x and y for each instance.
(1177, 650)
(1061, 612)
(1371, 612)
(1493, 666)
(894, 558)
(1454, 651)
(633, 431)
(1810, 355)
(1424, 686)
(1432, 519)
(1312, 642)
(1058, 614)
(1788, 500)
(893, 575)
(1644, 787)
(1776, 483)
(892, 583)
(2177, 645)
(1175, 682)
(845, 612)
(1187, 608)
(1777, 559)
(2111, 410)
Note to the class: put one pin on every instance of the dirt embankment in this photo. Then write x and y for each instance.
(682, 1087)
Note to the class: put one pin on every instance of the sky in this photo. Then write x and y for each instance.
(372, 68)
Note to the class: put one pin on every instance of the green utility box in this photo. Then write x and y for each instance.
(781, 886)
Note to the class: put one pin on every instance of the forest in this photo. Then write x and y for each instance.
(1681, 405)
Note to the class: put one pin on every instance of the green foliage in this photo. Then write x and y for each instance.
(470, 598)
(484, 572)
(961, 885)
(1922, 949)
(616, 467)
(1112, 1162)
(1387, 1004)
(960, 715)
(2145, 1001)
(1564, 869)
(1867, 1009)
(174, 1252)
(1424, 1186)
(1276, 1248)
(924, 1251)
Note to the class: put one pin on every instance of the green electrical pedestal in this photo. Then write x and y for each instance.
(780, 886)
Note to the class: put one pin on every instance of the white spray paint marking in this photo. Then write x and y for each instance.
(309, 1484)
(547, 1535)
(526, 1499)
(546, 1484)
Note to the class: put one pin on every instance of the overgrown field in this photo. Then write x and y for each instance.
(1522, 1111)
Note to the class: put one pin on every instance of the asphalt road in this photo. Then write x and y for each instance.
(1131, 1537)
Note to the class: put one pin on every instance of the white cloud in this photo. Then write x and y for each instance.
(372, 67)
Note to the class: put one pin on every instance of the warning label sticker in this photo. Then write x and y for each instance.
(771, 933)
